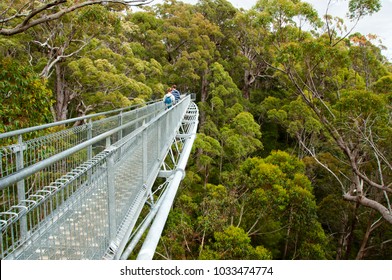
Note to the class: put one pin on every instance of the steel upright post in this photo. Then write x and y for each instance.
(120, 123)
(111, 196)
(145, 155)
(21, 185)
(89, 136)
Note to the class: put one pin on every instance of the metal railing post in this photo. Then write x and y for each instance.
(120, 123)
(108, 142)
(111, 196)
(159, 136)
(89, 136)
(21, 185)
(145, 155)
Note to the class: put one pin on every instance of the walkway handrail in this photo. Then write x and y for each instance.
(30, 170)
(72, 120)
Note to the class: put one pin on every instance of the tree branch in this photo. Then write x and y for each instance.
(371, 204)
(313, 154)
(50, 65)
(43, 17)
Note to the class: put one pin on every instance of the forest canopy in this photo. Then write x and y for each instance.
(293, 157)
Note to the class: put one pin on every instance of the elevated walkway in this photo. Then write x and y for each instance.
(91, 191)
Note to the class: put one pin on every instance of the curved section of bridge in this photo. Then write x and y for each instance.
(92, 191)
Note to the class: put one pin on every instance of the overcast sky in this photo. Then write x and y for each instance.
(379, 23)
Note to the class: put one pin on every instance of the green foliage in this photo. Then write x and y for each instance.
(241, 137)
(281, 192)
(214, 209)
(360, 8)
(222, 85)
(208, 152)
(383, 85)
(366, 58)
(234, 244)
(24, 98)
(178, 233)
(107, 80)
(296, 116)
(355, 103)
(290, 165)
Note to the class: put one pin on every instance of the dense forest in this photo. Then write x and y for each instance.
(293, 157)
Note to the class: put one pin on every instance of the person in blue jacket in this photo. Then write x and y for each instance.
(176, 93)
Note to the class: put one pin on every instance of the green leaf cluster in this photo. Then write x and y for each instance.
(25, 99)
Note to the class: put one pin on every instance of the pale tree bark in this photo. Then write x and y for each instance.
(57, 54)
(250, 72)
(363, 200)
(32, 14)
(248, 80)
(204, 86)
(250, 77)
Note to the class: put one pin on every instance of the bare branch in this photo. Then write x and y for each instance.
(313, 154)
(376, 150)
(367, 180)
(330, 31)
(380, 245)
(50, 65)
(382, 181)
(45, 7)
(16, 15)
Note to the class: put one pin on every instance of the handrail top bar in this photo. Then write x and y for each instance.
(44, 126)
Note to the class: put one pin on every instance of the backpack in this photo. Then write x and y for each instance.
(168, 100)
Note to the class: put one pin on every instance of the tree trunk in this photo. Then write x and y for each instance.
(342, 246)
(361, 252)
(369, 229)
(286, 247)
(350, 237)
(63, 96)
(204, 96)
(202, 243)
(247, 83)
